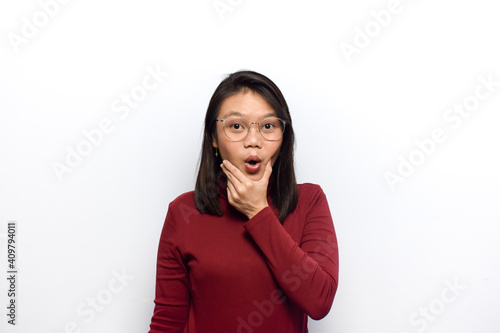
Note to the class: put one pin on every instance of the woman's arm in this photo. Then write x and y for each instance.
(172, 290)
(306, 272)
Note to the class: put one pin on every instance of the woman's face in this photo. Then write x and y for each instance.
(254, 108)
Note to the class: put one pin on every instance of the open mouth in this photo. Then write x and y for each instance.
(252, 164)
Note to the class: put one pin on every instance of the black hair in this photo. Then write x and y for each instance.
(283, 185)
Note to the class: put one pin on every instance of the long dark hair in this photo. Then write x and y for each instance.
(283, 185)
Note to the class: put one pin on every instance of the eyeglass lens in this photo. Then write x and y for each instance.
(237, 128)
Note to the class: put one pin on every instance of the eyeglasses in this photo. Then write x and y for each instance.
(237, 128)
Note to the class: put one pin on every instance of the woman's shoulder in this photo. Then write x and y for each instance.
(309, 188)
(186, 198)
(310, 193)
(181, 209)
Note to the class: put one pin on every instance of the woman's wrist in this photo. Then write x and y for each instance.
(256, 211)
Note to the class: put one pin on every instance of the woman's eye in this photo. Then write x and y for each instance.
(269, 126)
(236, 126)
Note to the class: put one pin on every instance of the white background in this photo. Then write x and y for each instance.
(355, 117)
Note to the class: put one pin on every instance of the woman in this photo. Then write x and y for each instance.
(249, 250)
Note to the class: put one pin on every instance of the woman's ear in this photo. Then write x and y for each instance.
(214, 142)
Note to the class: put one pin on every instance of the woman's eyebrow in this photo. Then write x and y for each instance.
(270, 114)
(239, 114)
(233, 113)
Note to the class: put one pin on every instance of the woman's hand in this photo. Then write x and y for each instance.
(247, 196)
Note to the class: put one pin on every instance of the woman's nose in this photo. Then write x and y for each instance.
(253, 139)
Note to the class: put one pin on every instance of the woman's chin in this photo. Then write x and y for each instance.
(255, 176)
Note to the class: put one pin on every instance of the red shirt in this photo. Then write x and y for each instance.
(229, 274)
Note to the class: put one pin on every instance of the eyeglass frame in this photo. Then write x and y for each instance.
(250, 126)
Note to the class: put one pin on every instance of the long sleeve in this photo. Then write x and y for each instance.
(229, 274)
(307, 269)
(172, 289)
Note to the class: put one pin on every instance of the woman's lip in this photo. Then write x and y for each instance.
(253, 158)
(252, 168)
